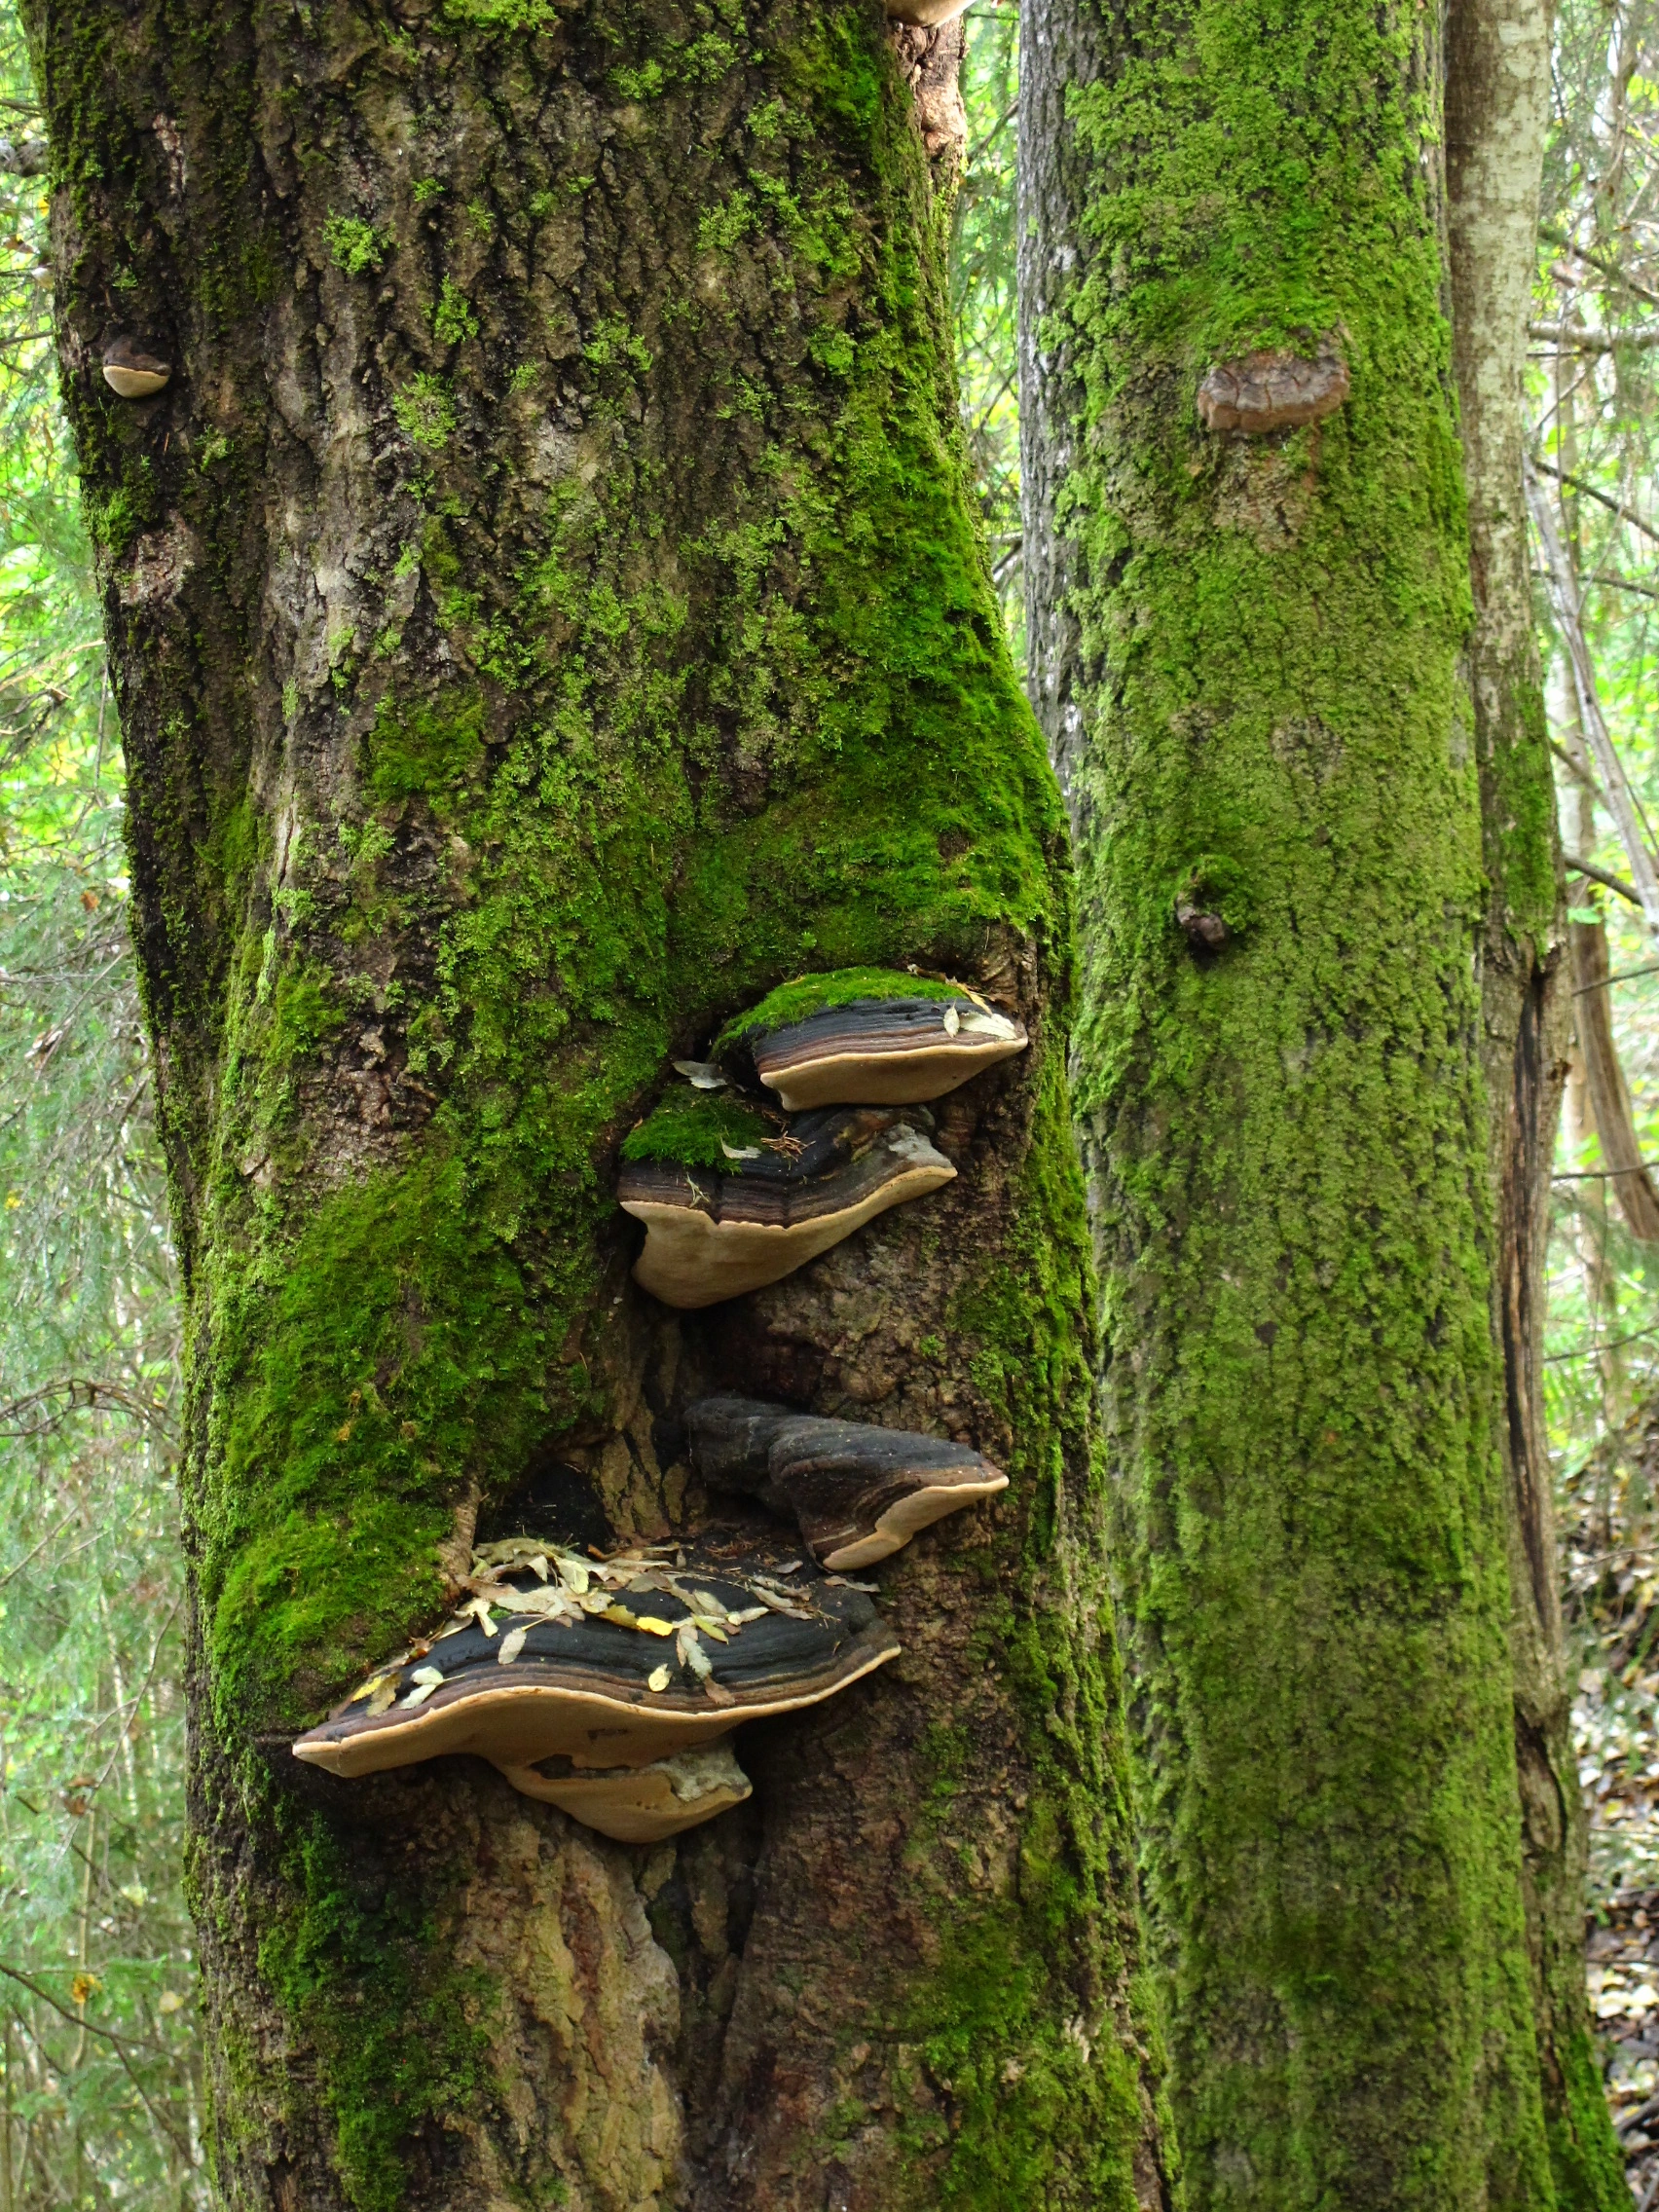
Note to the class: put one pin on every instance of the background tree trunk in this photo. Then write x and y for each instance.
(1247, 653)
(545, 612)
(1497, 95)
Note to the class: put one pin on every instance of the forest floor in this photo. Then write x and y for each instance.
(1610, 1553)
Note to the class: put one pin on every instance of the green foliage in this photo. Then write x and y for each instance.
(100, 2078)
(983, 297)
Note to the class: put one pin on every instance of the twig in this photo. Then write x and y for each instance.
(1602, 498)
(1563, 239)
(1621, 799)
(1588, 1351)
(1623, 976)
(39, 1548)
(75, 2020)
(1574, 867)
(1561, 334)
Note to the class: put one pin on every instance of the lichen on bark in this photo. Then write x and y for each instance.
(1248, 656)
(547, 615)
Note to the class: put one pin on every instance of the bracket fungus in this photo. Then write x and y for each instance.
(570, 1675)
(768, 1207)
(929, 13)
(639, 1804)
(1273, 392)
(858, 1493)
(900, 1052)
(132, 373)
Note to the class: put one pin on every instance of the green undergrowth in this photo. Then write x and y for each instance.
(699, 1129)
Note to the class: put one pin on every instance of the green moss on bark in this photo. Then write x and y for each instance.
(641, 655)
(1286, 1126)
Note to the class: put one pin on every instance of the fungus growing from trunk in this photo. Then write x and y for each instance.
(566, 1672)
(639, 1804)
(869, 1037)
(768, 1206)
(132, 373)
(1273, 392)
(884, 1052)
(929, 13)
(858, 1493)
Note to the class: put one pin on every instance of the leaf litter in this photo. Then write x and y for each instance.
(569, 1589)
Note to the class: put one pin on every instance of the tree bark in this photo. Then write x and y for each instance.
(1496, 94)
(1249, 659)
(547, 611)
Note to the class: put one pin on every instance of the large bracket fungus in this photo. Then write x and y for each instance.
(571, 1675)
(713, 1232)
(858, 1493)
(1273, 390)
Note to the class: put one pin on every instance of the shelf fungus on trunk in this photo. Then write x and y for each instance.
(1273, 390)
(929, 13)
(899, 1043)
(133, 373)
(639, 1804)
(724, 1216)
(858, 1493)
(595, 1684)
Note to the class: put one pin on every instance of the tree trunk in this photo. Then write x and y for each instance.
(1248, 561)
(1496, 93)
(546, 613)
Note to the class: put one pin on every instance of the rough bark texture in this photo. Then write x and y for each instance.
(1249, 659)
(547, 611)
(1496, 94)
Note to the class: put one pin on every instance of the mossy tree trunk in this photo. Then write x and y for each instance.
(1497, 95)
(1278, 710)
(546, 613)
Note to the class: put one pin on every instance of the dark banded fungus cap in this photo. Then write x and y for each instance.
(857, 1492)
(900, 1052)
(715, 1233)
(622, 1663)
(132, 372)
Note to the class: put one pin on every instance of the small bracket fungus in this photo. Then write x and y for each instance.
(1273, 392)
(132, 373)
(929, 13)
(568, 1672)
(884, 1052)
(858, 1493)
(713, 1232)
(639, 1804)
